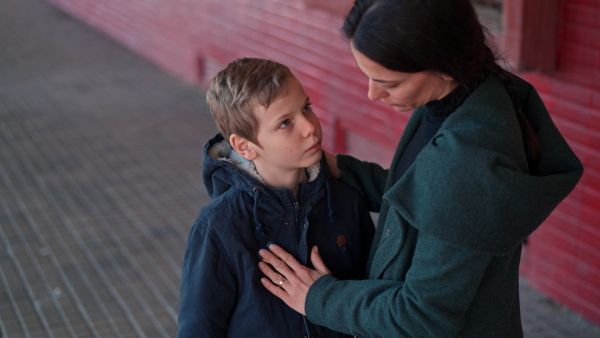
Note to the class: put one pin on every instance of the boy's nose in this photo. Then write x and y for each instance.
(308, 127)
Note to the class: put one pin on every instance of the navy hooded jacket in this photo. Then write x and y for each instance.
(221, 292)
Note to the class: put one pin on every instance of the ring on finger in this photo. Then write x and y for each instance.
(281, 280)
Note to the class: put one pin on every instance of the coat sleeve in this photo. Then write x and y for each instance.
(431, 302)
(208, 288)
(367, 178)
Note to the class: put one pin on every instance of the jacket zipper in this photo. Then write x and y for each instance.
(297, 214)
(306, 326)
(302, 225)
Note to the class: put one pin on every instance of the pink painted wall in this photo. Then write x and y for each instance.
(563, 257)
(193, 39)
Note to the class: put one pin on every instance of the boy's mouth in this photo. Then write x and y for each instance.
(316, 146)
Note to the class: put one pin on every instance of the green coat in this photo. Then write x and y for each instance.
(445, 259)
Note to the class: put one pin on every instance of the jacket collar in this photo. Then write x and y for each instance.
(224, 168)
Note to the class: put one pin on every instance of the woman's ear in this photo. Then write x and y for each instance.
(243, 147)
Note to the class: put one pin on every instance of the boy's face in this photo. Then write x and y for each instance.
(289, 134)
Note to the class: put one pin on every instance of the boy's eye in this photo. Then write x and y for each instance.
(285, 124)
(307, 108)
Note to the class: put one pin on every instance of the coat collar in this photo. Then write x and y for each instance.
(470, 185)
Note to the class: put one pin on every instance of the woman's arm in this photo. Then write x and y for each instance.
(431, 301)
(367, 178)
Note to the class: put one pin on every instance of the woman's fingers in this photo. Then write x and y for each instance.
(274, 289)
(298, 278)
(294, 295)
(285, 258)
(332, 164)
(275, 277)
(318, 261)
(275, 261)
(290, 268)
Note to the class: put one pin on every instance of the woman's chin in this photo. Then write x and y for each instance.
(401, 109)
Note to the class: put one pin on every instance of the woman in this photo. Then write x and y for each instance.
(479, 167)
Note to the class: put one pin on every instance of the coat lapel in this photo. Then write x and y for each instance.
(389, 236)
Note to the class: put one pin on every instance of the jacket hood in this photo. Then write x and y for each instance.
(223, 168)
(471, 184)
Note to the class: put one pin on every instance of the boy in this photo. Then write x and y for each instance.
(268, 180)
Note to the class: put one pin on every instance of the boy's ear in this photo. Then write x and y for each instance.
(243, 147)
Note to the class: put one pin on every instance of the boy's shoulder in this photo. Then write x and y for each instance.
(226, 221)
(223, 211)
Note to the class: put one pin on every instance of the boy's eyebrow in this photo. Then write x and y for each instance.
(282, 116)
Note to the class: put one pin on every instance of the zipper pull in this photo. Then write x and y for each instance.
(341, 241)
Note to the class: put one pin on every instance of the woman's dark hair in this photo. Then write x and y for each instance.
(442, 36)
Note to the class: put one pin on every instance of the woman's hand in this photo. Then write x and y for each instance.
(332, 163)
(292, 280)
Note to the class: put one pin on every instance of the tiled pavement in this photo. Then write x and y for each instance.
(100, 182)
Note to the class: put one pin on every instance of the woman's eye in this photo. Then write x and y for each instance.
(307, 108)
(285, 124)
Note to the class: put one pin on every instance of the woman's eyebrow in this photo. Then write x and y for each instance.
(376, 80)
(384, 81)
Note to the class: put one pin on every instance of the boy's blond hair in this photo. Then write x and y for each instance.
(235, 92)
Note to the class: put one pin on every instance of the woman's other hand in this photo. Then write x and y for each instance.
(333, 167)
(291, 280)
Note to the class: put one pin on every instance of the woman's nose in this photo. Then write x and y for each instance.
(375, 91)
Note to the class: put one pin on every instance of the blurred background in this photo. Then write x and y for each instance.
(103, 120)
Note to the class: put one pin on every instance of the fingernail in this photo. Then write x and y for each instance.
(271, 242)
(258, 252)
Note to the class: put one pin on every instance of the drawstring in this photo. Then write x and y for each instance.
(259, 231)
(332, 217)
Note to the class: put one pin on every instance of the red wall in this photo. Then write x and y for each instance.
(563, 257)
(193, 39)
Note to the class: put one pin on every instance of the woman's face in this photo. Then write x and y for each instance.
(403, 91)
